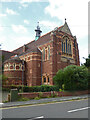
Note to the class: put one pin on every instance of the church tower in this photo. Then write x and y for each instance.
(38, 32)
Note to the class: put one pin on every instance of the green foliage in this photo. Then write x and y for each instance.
(23, 99)
(6, 89)
(36, 98)
(42, 88)
(40, 94)
(60, 90)
(87, 63)
(3, 77)
(59, 78)
(72, 78)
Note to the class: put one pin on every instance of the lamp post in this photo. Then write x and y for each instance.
(22, 73)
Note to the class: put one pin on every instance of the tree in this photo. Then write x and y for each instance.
(59, 78)
(87, 63)
(3, 78)
(73, 77)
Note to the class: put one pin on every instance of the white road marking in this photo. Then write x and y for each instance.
(1, 103)
(36, 118)
(78, 109)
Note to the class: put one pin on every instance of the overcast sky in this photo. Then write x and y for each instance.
(18, 21)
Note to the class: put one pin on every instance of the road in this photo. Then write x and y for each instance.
(68, 109)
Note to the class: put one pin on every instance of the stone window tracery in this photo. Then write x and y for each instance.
(66, 46)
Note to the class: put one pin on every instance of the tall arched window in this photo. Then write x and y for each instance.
(8, 66)
(64, 47)
(48, 52)
(68, 48)
(44, 79)
(43, 53)
(48, 80)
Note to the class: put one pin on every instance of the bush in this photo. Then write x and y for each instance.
(6, 89)
(59, 78)
(72, 78)
(42, 88)
(36, 98)
(40, 94)
(23, 99)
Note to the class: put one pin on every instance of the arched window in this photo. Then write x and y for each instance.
(66, 45)
(62, 46)
(48, 80)
(48, 52)
(70, 49)
(8, 66)
(43, 53)
(44, 79)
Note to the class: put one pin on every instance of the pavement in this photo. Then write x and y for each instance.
(44, 100)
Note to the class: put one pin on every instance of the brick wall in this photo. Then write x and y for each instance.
(58, 94)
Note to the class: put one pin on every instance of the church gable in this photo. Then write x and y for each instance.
(65, 29)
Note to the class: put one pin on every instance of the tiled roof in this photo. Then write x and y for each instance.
(14, 59)
(6, 54)
(32, 46)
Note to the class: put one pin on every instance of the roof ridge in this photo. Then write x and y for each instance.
(34, 40)
(45, 34)
(22, 45)
(6, 51)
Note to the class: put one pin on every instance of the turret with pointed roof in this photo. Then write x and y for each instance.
(38, 32)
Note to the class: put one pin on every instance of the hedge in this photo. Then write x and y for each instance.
(42, 88)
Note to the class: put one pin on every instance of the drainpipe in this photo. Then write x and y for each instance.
(22, 74)
(41, 65)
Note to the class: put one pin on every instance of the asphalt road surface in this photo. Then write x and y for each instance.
(69, 109)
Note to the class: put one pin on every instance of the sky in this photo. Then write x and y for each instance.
(18, 21)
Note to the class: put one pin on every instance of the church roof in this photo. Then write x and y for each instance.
(33, 45)
(14, 59)
(6, 54)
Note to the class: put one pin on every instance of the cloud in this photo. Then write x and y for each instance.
(26, 22)
(24, 1)
(11, 12)
(1, 28)
(49, 24)
(19, 29)
(4, 43)
(83, 52)
(19, 41)
(3, 15)
(23, 5)
(75, 11)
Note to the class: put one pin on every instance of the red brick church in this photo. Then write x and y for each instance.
(37, 62)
